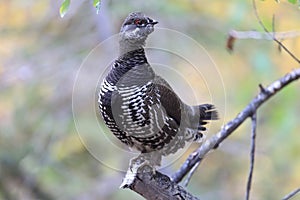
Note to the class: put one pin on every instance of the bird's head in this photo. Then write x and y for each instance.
(136, 27)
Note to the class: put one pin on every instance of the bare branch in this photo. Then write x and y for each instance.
(291, 195)
(273, 26)
(157, 186)
(233, 35)
(272, 34)
(263, 35)
(252, 155)
(227, 129)
(191, 173)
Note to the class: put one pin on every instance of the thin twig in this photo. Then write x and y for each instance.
(272, 35)
(233, 35)
(227, 129)
(273, 26)
(191, 173)
(264, 36)
(291, 195)
(252, 155)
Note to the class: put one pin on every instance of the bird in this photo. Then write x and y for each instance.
(140, 107)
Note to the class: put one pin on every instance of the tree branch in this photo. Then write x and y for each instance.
(191, 173)
(263, 35)
(292, 194)
(252, 155)
(155, 185)
(233, 35)
(272, 34)
(267, 35)
(226, 130)
(159, 186)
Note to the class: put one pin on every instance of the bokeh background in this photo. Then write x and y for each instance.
(42, 155)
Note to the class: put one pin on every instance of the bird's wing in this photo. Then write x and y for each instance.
(167, 109)
(169, 99)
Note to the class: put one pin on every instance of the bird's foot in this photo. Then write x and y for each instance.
(135, 165)
(140, 162)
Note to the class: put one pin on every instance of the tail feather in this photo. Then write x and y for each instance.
(198, 124)
(207, 112)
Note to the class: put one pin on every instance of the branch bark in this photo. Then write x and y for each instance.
(159, 186)
(274, 37)
(252, 155)
(153, 186)
(234, 35)
(263, 35)
(292, 194)
(249, 110)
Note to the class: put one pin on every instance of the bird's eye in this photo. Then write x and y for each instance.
(137, 22)
(140, 22)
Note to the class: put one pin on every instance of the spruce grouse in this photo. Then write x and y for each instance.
(139, 107)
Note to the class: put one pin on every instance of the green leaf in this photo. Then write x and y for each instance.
(293, 1)
(96, 4)
(64, 8)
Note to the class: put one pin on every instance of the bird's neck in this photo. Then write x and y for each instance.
(134, 61)
(132, 67)
(127, 46)
(134, 57)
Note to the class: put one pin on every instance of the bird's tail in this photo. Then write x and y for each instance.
(208, 112)
(201, 116)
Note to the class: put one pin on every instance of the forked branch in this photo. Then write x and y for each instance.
(227, 129)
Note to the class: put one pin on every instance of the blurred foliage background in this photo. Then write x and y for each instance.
(41, 153)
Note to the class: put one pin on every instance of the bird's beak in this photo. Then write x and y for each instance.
(152, 21)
